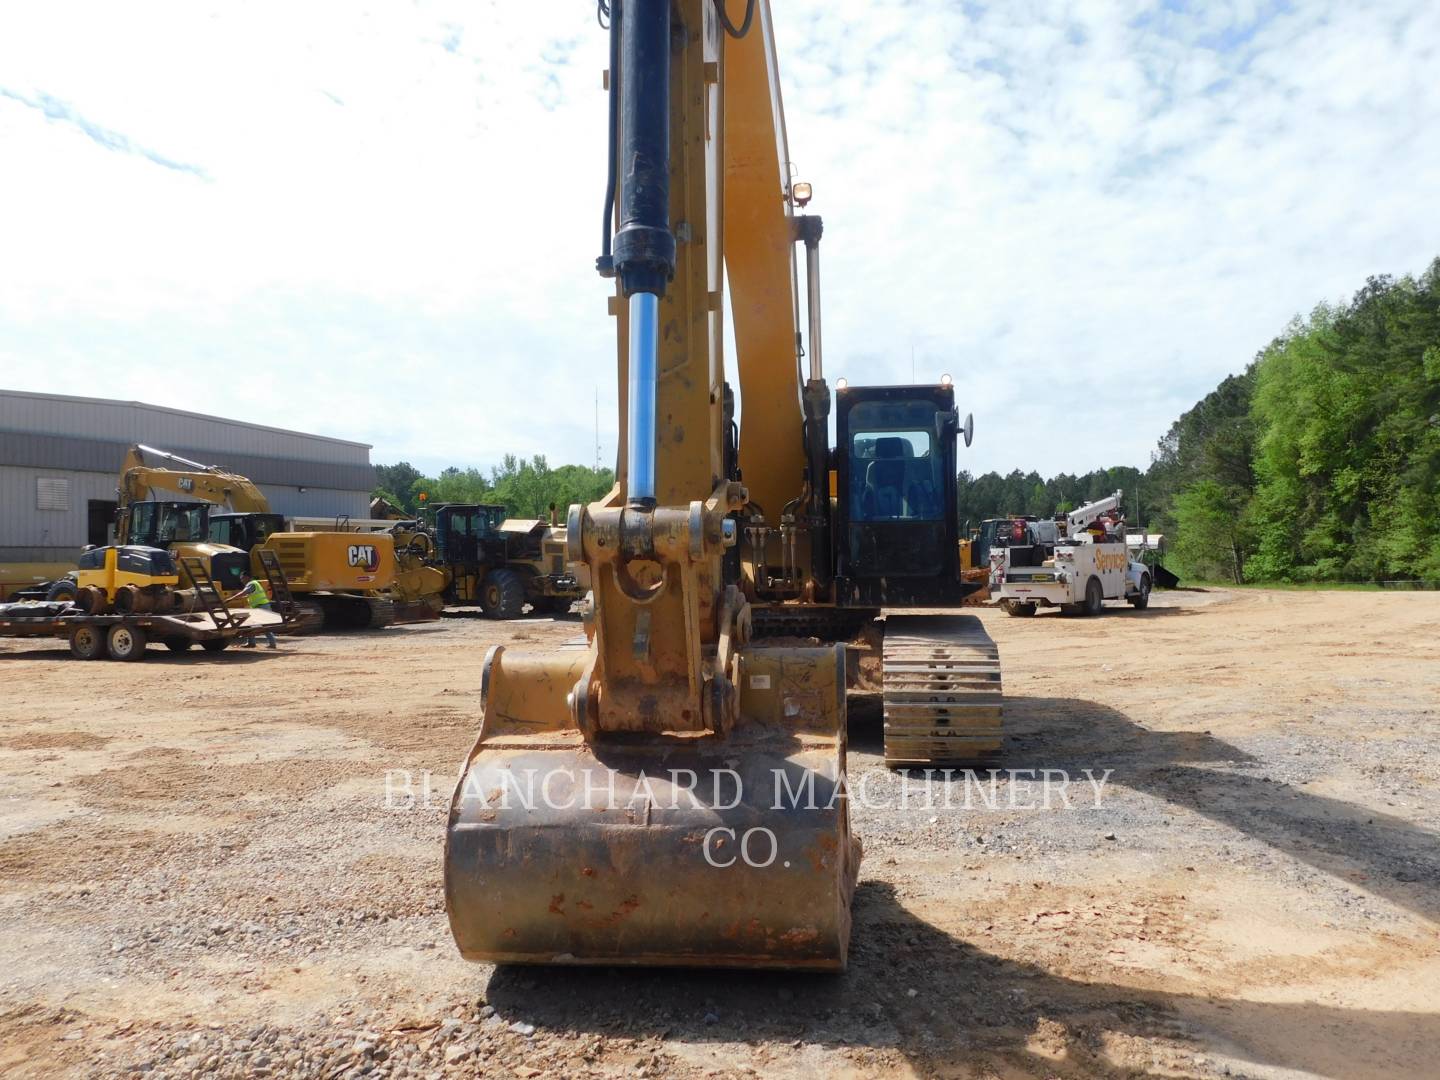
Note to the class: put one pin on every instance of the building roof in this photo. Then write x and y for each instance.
(168, 411)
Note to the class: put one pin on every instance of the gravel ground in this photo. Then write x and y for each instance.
(200, 874)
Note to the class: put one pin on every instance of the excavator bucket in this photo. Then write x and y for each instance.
(698, 850)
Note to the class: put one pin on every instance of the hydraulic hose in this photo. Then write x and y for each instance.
(729, 26)
(606, 262)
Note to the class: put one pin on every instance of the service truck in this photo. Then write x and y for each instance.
(1090, 565)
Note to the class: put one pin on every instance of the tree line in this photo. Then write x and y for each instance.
(526, 488)
(1320, 462)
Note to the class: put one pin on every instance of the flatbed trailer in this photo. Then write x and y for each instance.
(124, 637)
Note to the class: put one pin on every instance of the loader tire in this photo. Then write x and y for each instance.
(215, 644)
(62, 591)
(1019, 608)
(177, 642)
(1094, 598)
(1141, 600)
(502, 594)
(126, 642)
(87, 643)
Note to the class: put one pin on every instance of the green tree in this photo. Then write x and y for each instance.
(1213, 531)
(1347, 403)
(393, 483)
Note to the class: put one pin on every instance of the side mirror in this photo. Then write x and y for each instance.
(969, 429)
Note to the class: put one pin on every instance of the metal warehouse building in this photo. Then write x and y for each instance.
(60, 461)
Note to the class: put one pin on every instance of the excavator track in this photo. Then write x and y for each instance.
(308, 618)
(348, 611)
(942, 690)
(382, 612)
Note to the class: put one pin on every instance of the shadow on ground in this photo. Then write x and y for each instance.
(973, 1013)
(1379, 852)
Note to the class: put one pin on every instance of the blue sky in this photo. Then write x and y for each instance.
(382, 225)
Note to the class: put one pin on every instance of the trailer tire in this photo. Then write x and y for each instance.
(215, 644)
(87, 643)
(1094, 597)
(502, 594)
(1141, 600)
(1019, 608)
(125, 642)
(177, 642)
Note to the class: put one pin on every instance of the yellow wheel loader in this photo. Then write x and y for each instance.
(502, 563)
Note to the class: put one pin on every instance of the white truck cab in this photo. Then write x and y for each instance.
(1091, 565)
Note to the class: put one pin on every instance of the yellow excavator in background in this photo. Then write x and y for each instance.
(181, 526)
(673, 792)
(343, 579)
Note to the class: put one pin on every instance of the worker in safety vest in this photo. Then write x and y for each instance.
(258, 599)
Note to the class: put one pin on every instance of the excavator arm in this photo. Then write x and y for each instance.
(202, 483)
(655, 830)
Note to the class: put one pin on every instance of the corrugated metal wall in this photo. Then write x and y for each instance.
(130, 422)
(27, 533)
(104, 456)
(83, 441)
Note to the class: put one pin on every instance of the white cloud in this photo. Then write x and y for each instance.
(1089, 213)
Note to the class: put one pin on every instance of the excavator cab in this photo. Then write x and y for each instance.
(183, 528)
(896, 529)
(244, 531)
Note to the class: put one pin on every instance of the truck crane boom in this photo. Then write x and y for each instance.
(1082, 516)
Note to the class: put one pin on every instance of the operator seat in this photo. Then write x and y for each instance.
(923, 502)
(885, 480)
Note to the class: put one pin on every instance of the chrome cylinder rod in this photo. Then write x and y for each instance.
(644, 350)
(812, 303)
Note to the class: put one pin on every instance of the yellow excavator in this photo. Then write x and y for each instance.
(341, 579)
(672, 792)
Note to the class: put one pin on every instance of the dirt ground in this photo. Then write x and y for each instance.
(199, 874)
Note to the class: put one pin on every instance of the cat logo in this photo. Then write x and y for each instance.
(363, 555)
(185, 483)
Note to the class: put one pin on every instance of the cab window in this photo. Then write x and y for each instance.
(142, 523)
(182, 524)
(896, 464)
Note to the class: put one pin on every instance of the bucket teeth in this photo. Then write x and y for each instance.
(942, 690)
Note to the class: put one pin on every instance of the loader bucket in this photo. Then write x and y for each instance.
(656, 849)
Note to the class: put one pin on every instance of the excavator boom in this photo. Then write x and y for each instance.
(672, 793)
(203, 483)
